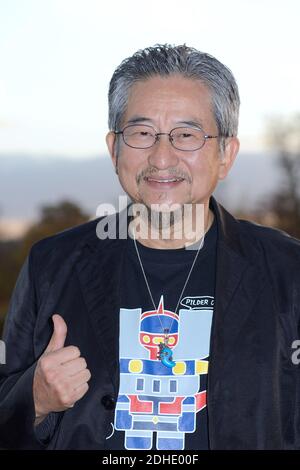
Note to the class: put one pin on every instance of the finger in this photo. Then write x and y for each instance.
(80, 391)
(59, 334)
(80, 378)
(64, 355)
(74, 366)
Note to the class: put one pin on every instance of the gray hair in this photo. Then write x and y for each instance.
(164, 60)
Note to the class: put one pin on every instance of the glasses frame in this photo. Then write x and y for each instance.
(169, 134)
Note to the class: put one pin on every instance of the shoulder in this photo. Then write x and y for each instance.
(64, 245)
(272, 241)
(251, 239)
(61, 245)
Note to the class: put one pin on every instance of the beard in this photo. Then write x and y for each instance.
(158, 221)
(168, 222)
(163, 219)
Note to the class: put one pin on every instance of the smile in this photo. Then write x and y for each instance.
(166, 183)
(160, 180)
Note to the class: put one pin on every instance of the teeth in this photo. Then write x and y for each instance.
(164, 181)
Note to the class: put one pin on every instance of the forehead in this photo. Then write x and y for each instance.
(172, 97)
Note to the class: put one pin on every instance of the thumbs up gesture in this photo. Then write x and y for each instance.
(61, 375)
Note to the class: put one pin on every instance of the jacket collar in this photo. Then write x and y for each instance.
(99, 272)
(240, 279)
(238, 283)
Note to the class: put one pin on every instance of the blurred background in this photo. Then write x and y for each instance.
(56, 60)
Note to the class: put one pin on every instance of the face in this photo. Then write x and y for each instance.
(166, 103)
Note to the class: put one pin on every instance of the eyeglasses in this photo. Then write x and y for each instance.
(186, 139)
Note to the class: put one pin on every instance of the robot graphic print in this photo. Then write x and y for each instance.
(154, 398)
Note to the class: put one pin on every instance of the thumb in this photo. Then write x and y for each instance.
(59, 334)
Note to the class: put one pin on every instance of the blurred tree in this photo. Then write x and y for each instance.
(283, 208)
(9, 266)
(53, 219)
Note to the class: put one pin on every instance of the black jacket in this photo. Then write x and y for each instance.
(253, 395)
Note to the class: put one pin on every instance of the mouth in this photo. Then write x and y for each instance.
(163, 183)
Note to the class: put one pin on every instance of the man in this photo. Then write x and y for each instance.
(152, 341)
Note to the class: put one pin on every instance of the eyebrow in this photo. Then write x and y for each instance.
(137, 119)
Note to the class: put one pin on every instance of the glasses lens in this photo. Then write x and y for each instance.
(187, 138)
(140, 137)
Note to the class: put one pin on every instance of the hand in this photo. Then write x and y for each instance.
(61, 375)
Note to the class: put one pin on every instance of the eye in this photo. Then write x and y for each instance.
(144, 133)
(185, 135)
(140, 134)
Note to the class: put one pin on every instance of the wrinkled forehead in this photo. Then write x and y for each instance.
(169, 98)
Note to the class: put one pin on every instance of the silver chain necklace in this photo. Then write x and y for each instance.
(165, 353)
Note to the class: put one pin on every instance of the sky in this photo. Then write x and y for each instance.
(57, 57)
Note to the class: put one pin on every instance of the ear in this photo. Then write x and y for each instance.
(112, 148)
(232, 146)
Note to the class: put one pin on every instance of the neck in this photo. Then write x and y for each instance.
(181, 233)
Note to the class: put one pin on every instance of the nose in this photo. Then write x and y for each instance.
(163, 155)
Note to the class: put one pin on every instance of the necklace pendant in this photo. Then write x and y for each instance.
(165, 355)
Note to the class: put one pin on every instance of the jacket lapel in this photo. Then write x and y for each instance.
(99, 271)
(239, 282)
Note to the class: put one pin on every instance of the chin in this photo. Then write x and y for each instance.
(164, 207)
(163, 200)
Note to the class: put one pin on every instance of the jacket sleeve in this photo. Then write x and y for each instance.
(17, 412)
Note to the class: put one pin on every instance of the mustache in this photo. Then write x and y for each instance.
(171, 172)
